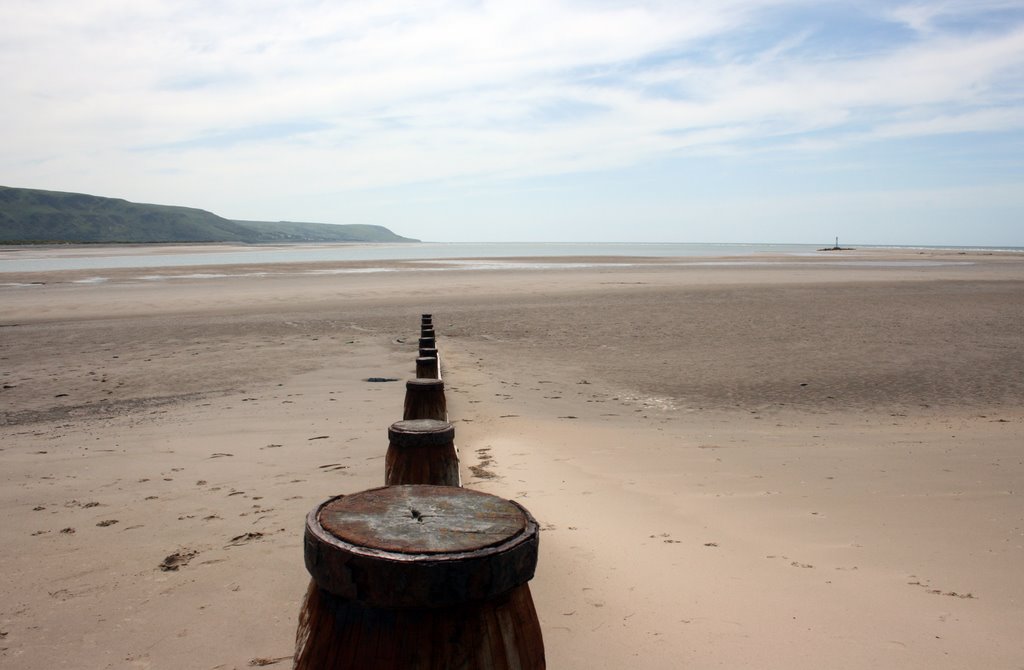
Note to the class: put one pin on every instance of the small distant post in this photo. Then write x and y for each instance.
(427, 343)
(425, 399)
(426, 367)
(421, 451)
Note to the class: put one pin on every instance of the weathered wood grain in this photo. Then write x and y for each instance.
(422, 451)
(426, 367)
(499, 634)
(425, 399)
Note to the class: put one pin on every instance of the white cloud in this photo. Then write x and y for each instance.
(923, 16)
(137, 98)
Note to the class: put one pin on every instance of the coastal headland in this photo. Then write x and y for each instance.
(772, 462)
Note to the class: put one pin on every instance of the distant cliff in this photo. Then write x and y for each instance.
(34, 216)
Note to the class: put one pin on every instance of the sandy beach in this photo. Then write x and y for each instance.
(789, 463)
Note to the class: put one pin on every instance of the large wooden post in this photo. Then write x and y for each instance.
(420, 578)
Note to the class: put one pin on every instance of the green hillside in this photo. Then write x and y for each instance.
(35, 216)
(290, 231)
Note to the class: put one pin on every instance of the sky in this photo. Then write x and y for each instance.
(761, 121)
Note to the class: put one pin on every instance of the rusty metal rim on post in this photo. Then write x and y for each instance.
(384, 578)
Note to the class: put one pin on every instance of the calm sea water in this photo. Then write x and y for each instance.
(33, 259)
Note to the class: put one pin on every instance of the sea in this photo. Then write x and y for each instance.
(51, 258)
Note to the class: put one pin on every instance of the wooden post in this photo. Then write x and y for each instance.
(425, 399)
(427, 319)
(421, 578)
(427, 342)
(426, 367)
(421, 451)
(429, 352)
(428, 331)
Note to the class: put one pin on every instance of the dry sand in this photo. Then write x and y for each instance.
(796, 464)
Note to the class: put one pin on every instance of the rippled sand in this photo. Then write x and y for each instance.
(792, 464)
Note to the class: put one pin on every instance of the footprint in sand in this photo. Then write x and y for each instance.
(939, 592)
(107, 522)
(177, 560)
(261, 662)
(244, 538)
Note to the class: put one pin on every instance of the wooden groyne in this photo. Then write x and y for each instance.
(421, 573)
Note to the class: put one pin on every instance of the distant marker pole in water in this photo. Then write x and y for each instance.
(420, 578)
(421, 451)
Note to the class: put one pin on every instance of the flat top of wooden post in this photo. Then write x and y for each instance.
(420, 546)
(421, 433)
(423, 519)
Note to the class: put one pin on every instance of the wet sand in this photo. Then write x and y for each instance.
(796, 464)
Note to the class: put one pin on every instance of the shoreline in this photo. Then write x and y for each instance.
(863, 260)
(198, 256)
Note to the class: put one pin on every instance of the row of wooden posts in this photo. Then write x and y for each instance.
(420, 573)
